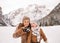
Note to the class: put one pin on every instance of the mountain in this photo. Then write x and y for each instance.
(52, 19)
(2, 23)
(11, 16)
(35, 12)
(40, 14)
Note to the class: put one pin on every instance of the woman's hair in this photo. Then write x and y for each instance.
(25, 18)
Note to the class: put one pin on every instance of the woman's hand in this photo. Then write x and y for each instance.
(14, 35)
(23, 27)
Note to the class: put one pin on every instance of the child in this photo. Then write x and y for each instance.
(37, 34)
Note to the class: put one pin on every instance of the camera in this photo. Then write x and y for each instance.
(26, 29)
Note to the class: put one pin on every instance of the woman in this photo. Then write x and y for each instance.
(24, 30)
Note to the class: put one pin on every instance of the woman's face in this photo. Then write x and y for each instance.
(26, 23)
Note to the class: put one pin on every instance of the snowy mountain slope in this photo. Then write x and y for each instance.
(52, 19)
(34, 11)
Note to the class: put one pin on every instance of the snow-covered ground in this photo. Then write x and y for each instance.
(52, 33)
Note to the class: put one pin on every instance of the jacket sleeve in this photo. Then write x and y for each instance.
(43, 35)
(18, 27)
(19, 32)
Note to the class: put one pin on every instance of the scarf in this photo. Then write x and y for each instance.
(35, 31)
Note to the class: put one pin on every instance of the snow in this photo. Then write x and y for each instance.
(52, 33)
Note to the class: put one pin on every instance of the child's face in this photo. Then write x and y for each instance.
(34, 25)
(26, 23)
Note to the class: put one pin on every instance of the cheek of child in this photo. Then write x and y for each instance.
(34, 25)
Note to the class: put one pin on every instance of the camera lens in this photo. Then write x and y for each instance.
(27, 29)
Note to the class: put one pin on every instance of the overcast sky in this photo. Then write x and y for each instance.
(9, 5)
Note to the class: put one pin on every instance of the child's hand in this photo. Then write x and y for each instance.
(46, 41)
